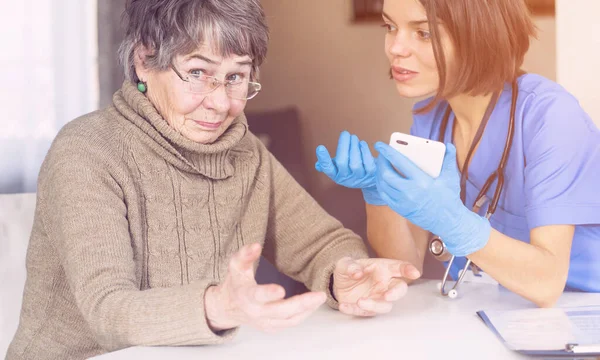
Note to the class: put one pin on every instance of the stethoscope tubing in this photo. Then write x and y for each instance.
(436, 245)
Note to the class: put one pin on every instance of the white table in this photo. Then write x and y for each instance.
(423, 325)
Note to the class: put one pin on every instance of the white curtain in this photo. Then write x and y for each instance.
(48, 76)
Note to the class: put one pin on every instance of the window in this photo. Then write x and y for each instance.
(49, 77)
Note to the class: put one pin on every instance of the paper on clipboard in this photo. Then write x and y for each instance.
(546, 331)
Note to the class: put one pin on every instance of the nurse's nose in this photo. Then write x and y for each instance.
(401, 46)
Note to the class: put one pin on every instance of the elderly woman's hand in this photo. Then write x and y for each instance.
(239, 300)
(367, 287)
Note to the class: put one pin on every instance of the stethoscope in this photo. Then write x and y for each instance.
(436, 245)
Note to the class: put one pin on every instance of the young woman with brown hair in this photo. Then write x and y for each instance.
(518, 145)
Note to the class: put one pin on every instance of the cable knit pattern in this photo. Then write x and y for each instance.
(134, 222)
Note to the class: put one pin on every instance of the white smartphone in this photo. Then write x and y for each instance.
(427, 154)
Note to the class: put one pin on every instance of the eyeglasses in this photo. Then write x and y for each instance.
(205, 84)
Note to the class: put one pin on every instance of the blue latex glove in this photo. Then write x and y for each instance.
(432, 204)
(353, 166)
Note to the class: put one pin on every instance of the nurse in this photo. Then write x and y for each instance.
(544, 235)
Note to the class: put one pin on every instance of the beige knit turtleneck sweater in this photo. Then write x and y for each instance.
(134, 222)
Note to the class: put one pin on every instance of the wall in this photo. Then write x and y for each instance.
(336, 73)
(578, 46)
(541, 58)
(110, 34)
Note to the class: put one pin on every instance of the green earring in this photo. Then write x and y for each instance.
(142, 87)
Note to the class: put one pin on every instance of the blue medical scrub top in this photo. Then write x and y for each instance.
(552, 175)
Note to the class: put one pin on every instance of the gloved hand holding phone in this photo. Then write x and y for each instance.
(432, 204)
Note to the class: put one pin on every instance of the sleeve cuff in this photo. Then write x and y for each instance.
(563, 215)
(193, 328)
(331, 292)
(324, 280)
(211, 336)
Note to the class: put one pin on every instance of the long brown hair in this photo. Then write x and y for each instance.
(490, 39)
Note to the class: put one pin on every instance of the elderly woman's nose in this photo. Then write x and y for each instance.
(218, 99)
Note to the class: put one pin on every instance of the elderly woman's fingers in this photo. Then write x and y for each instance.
(355, 310)
(287, 313)
(350, 268)
(385, 269)
(375, 306)
(266, 293)
(379, 276)
(402, 269)
(397, 289)
(271, 325)
(288, 308)
(241, 264)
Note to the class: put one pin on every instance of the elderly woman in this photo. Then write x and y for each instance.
(152, 213)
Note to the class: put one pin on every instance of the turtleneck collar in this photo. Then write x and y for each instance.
(211, 160)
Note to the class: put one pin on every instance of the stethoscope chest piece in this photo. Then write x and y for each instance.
(437, 248)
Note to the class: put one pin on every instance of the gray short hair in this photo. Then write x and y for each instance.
(177, 27)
